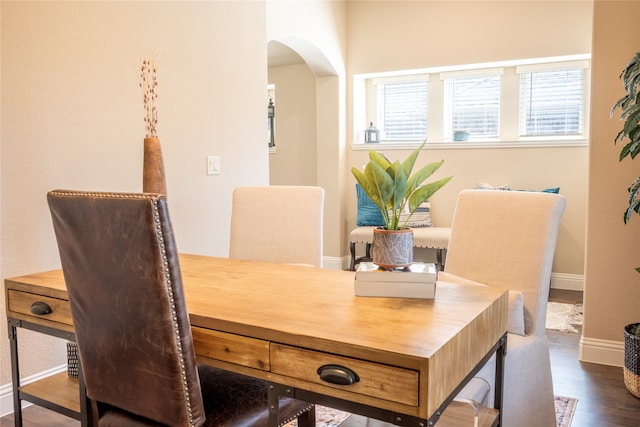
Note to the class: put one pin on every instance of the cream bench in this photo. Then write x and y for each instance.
(423, 237)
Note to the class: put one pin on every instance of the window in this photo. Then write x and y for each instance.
(402, 109)
(551, 101)
(507, 103)
(472, 105)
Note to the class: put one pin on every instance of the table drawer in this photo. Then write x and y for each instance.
(22, 302)
(375, 379)
(231, 348)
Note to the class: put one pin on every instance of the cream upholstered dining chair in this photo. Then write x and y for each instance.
(507, 239)
(121, 268)
(277, 223)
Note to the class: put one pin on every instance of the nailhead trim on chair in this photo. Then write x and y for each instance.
(104, 195)
(167, 275)
(296, 415)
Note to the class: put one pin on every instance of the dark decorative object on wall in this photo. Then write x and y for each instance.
(271, 117)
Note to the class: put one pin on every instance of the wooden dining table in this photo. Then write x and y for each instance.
(400, 360)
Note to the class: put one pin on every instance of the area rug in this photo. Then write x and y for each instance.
(564, 317)
(565, 408)
(328, 417)
(325, 417)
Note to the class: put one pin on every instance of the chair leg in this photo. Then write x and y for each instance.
(352, 248)
(354, 260)
(440, 259)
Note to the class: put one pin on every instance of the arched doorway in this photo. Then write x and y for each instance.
(318, 131)
(294, 66)
(292, 89)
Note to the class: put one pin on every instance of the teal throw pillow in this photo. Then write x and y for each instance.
(368, 213)
(554, 190)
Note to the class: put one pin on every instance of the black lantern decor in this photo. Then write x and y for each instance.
(371, 134)
(271, 114)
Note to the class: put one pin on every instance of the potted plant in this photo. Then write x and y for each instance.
(397, 193)
(629, 106)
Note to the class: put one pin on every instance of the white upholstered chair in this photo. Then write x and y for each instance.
(277, 224)
(507, 239)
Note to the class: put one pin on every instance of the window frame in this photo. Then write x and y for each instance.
(448, 101)
(510, 93)
(543, 68)
(379, 84)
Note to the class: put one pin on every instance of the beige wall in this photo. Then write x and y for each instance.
(386, 36)
(294, 160)
(612, 286)
(316, 30)
(392, 35)
(72, 118)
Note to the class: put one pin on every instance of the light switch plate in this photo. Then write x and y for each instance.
(213, 165)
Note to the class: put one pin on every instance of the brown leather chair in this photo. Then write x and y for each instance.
(121, 268)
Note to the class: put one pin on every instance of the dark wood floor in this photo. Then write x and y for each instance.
(602, 397)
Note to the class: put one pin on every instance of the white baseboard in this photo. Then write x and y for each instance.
(6, 400)
(570, 282)
(335, 263)
(6, 390)
(604, 352)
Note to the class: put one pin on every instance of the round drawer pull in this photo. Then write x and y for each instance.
(336, 374)
(39, 308)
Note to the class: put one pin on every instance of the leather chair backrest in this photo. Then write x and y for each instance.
(123, 278)
(507, 239)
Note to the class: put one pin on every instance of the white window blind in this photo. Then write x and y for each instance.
(552, 102)
(402, 110)
(472, 104)
(533, 101)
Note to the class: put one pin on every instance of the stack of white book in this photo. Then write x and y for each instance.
(416, 281)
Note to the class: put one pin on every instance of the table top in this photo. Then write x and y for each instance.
(292, 303)
(317, 309)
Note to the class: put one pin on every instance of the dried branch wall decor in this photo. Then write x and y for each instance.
(149, 86)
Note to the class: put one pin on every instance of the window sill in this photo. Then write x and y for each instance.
(445, 145)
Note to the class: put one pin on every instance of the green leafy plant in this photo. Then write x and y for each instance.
(392, 187)
(629, 106)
